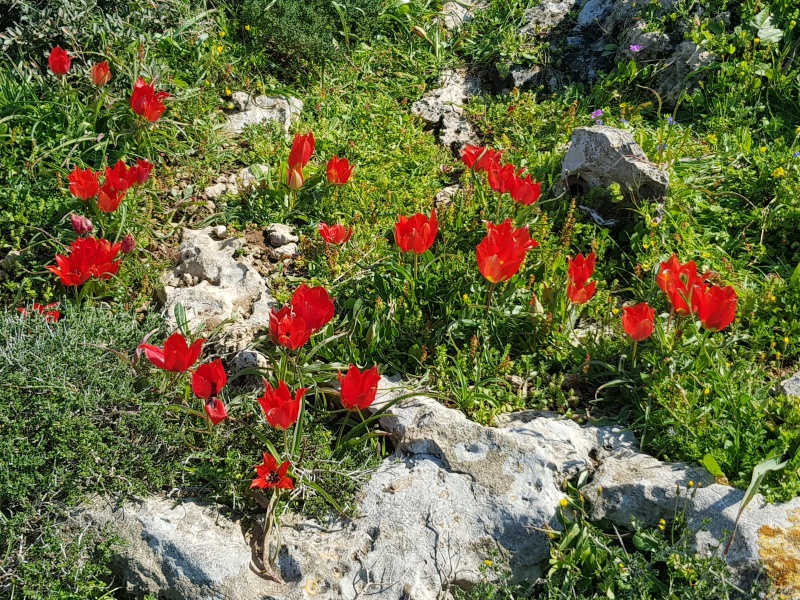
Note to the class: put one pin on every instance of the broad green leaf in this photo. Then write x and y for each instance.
(765, 28)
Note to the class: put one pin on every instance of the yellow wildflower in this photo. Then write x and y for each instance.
(564, 503)
(778, 173)
(691, 484)
(488, 563)
(706, 392)
(219, 49)
(786, 341)
(222, 34)
(247, 27)
(763, 149)
(778, 356)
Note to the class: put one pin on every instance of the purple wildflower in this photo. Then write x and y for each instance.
(597, 114)
(635, 48)
(670, 121)
(797, 154)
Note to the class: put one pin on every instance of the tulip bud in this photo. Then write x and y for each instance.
(81, 225)
(295, 179)
(128, 243)
(100, 74)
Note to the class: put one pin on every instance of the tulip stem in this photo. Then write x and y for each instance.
(497, 212)
(633, 356)
(489, 299)
(416, 259)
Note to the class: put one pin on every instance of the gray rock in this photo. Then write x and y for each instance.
(524, 77)
(600, 156)
(262, 109)
(445, 196)
(791, 386)
(594, 12)
(546, 15)
(681, 70)
(221, 232)
(630, 485)
(217, 287)
(218, 190)
(654, 44)
(289, 250)
(455, 14)
(442, 109)
(280, 235)
(10, 259)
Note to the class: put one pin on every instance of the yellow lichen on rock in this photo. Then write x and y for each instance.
(779, 550)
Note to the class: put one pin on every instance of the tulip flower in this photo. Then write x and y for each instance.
(209, 379)
(339, 170)
(89, 257)
(288, 330)
(359, 387)
(487, 161)
(51, 315)
(279, 407)
(678, 281)
(83, 183)
(302, 149)
(109, 199)
(143, 170)
(502, 179)
(81, 225)
(526, 191)
(502, 251)
(120, 177)
(416, 234)
(715, 306)
(335, 234)
(146, 102)
(59, 61)
(100, 74)
(638, 321)
(580, 271)
(313, 305)
(295, 179)
(128, 244)
(470, 154)
(176, 356)
(215, 409)
(270, 475)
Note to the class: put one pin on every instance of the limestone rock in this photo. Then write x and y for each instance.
(594, 12)
(442, 109)
(445, 196)
(685, 62)
(791, 386)
(455, 14)
(280, 235)
(214, 286)
(262, 109)
(289, 250)
(546, 15)
(633, 485)
(654, 44)
(600, 156)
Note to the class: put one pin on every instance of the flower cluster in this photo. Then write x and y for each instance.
(309, 311)
(89, 257)
(503, 179)
(85, 183)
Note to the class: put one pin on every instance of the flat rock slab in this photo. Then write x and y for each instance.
(213, 285)
(261, 109)
(455, 494)
(600, 156)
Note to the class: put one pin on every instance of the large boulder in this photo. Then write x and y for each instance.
(600, 156)
(213, 284)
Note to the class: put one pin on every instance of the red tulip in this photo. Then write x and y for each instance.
(715, 306)
(502, 251)
(502, 179)
(470, 154)
(100, 74)
(270, 475)
(288, 330)
(278, 405)
(120, 177)
(215, 410)
(302, 149)
(83, 183)
(109, 199)
(313, 306)
(47, 310)
(416, 234)
(81, 225)
(294, 179)
(146, 102)
(335, 234)
(59, 61)
(487, 161)
(359, 387)
(678, 282)
(580, 270)
(143, 170)
(209, 379)
(176, 356)
(638, 321)
(339, 170)
(128, 244)
(526, 191)
(89, 257)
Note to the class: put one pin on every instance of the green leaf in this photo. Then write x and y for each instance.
(712, 466)
(765, 29)
(795, 280)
